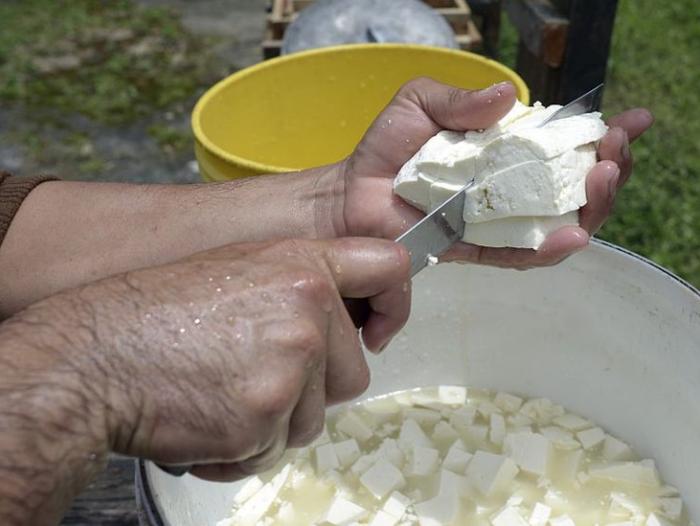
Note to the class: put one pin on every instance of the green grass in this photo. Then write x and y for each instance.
(655, 63)
(110, 61)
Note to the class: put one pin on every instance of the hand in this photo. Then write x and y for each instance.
(222, 360)
(421, 109)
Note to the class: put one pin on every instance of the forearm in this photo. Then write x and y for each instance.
(69, 233)
(53, 437)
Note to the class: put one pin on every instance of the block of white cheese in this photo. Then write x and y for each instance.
(343, 512)
(530, 451)
(529, 179)
(490, 473)
(382, 478)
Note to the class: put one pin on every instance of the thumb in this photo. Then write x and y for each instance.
(459, 109)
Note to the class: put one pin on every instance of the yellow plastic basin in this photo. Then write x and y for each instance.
(309, 109)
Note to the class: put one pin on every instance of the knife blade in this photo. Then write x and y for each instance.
(587, 102)
(436, 232)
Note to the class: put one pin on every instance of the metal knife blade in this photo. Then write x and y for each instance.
(436, 232)
(587, 102)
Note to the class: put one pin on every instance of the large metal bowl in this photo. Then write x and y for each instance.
(608, 334)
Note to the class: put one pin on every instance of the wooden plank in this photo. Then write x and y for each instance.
(542, 28)
(588, 46)
(488, 15)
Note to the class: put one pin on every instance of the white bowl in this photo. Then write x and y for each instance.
(607, 334)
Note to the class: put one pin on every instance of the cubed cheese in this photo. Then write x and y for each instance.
(614, 449)
(508, 402)
(560, 437)
(444, 432)
(509, 516)
(326, 458)
(250, 488)
(452, 394)
(363, 463)
(591, 438)
(457, 458)
(423, 461)
(562, 520)
(632, 473)
(570, 465)
(353, 426)
(444, 507)
(490, 473)
(541, 410)
(425, 417)
(412, 434)
(347, 452)
(497, 430)
(382, 518)
(256, 506)
(540, 514)
(389, 449)
(476, 434)
(656, 520)
(396, 504)
(530, 451)
(672, 507)
(486, 408)
(572, 422)
(343, 512)
(462, 418)
(382, 478)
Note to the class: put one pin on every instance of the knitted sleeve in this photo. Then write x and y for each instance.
(13, 190)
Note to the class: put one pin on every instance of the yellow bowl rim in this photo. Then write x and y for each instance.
(209, 146)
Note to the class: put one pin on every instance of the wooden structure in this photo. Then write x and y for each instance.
(564, 45)
(456, 12)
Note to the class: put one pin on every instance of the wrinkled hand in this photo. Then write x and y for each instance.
(226, 358)
(422, 108)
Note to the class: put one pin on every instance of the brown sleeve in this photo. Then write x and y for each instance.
(13, 190)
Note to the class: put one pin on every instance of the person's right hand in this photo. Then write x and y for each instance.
(221, 360)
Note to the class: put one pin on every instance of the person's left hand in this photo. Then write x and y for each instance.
(422, 108)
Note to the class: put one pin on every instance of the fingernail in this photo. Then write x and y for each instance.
(612, 184)
(625, 148)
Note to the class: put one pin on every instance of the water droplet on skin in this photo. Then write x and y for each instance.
(182, 330)
(388, 122)
(405, 287)
(197, 321)
(228, 278)
(213, 309)
(296, 314)
(218, 289)
(338, 269)
(251, 284)
(408, 141)
(211, 279)
(490, 101)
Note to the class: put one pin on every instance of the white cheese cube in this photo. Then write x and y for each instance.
(347, 452)
(382, 478)
(530, 451)
(452, 394)
(486, 408)
(343, 512)
(519, 420)
(286, 512)
(508, 402)
(542, 410)
(572, 422)
(462, 418)
(668, 491)
(498, 429)
(540, 514)
(423, 461)
(591, 438)
(490, 473)
(656, 520)
(363, 463)
(562, 520)
(560, 437)
(672, 507)
(256, 506)
(555, 498)
(382, 405)
(476, 434)
(441, 509)
(352, 425)
(396, 504)
(615, 449)
(389, 449)
(509, 516)
(632, 473)
(326, 458)
(250, 488)
(412, 434)
(382, 518)
(457, 458)
(444, 432)
(623, 506)
(571, 465)
(425, 417)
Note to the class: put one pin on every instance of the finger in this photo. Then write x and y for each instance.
(227, 472)
(347, 373)
(615, 147)
(601, 187)
(378, 270)
(458, 109)
(558, 245)
(634, 122)
(307, 418)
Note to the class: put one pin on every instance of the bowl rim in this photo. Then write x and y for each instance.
(151, 511)
(211, 147)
